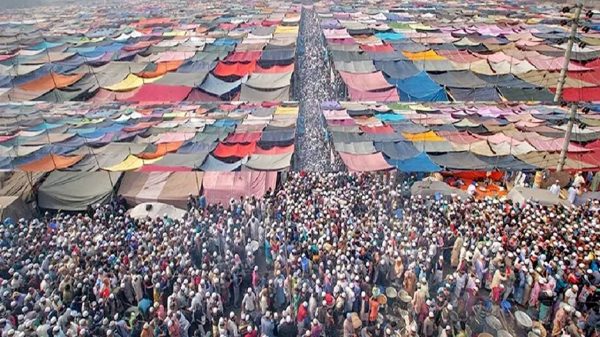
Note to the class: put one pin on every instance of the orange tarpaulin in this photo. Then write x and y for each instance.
(50, 163)
(428, 136)
(160, 150)
(237, 69)
(429, 55)
(234, 150)
(51, 81)
(161, 69)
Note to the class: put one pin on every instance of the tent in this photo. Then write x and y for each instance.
(15, 208)
(160, 93)
(419, 163)
(75, 191)
(172, 188)
(433, 187)
(356, 147)
(397, 69)
(220, 187)
(396, 150)
(419, 87)
(269, 162)
(544, 197)
(366, 162)
(156, 210)
(251, 94)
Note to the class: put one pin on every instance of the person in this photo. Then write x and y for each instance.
(429, 325)
(335, 241)
(572, 194)
(472, 189)
(555, 188)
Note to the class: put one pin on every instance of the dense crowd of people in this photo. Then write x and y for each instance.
(314, 151)
(310, 259)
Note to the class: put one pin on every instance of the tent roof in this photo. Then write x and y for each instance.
(75, 191)
(365, 163)
(521, 194)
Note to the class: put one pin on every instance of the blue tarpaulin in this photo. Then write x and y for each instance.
(419, 88)
(398, 150)
(390, 36)
(419, 163)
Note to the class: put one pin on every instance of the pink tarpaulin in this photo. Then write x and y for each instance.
(220, 187)
(553, 145)
(389, 95)
(160, 93)
(175, 56)
(103, 96)
(460, 56)
(365, 163)
(553, 63)
(170, 137)
(365, 82)
(458, 137)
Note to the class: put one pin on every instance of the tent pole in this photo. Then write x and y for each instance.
(568, 51)
(565, 147)
(561, 82)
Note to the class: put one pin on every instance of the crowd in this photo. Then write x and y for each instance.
(314, 258)
(314, 151)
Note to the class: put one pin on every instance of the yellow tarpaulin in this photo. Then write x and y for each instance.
(429, 55)
(131, 82)
(428, 136)
(175, 33)
(286, 30)
(286, 110)
(131, 163)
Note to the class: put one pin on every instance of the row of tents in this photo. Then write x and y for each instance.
(432, 137)
(80, 137)
(385, 52)
(133, 54)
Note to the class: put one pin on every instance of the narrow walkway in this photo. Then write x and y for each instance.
(313, 152)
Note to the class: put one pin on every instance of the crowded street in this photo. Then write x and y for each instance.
(314, 150)
(333, 254)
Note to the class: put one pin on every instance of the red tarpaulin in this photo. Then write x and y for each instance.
(580, 94)
(592, 157)
(377, 129)
(234, 150)
(592, 76)
(160, 93)
(593, 145)
(380, 48)
(234, 69)
(244, 56)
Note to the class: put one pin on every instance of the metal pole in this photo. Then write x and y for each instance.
(563, 152)
(563, 71)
